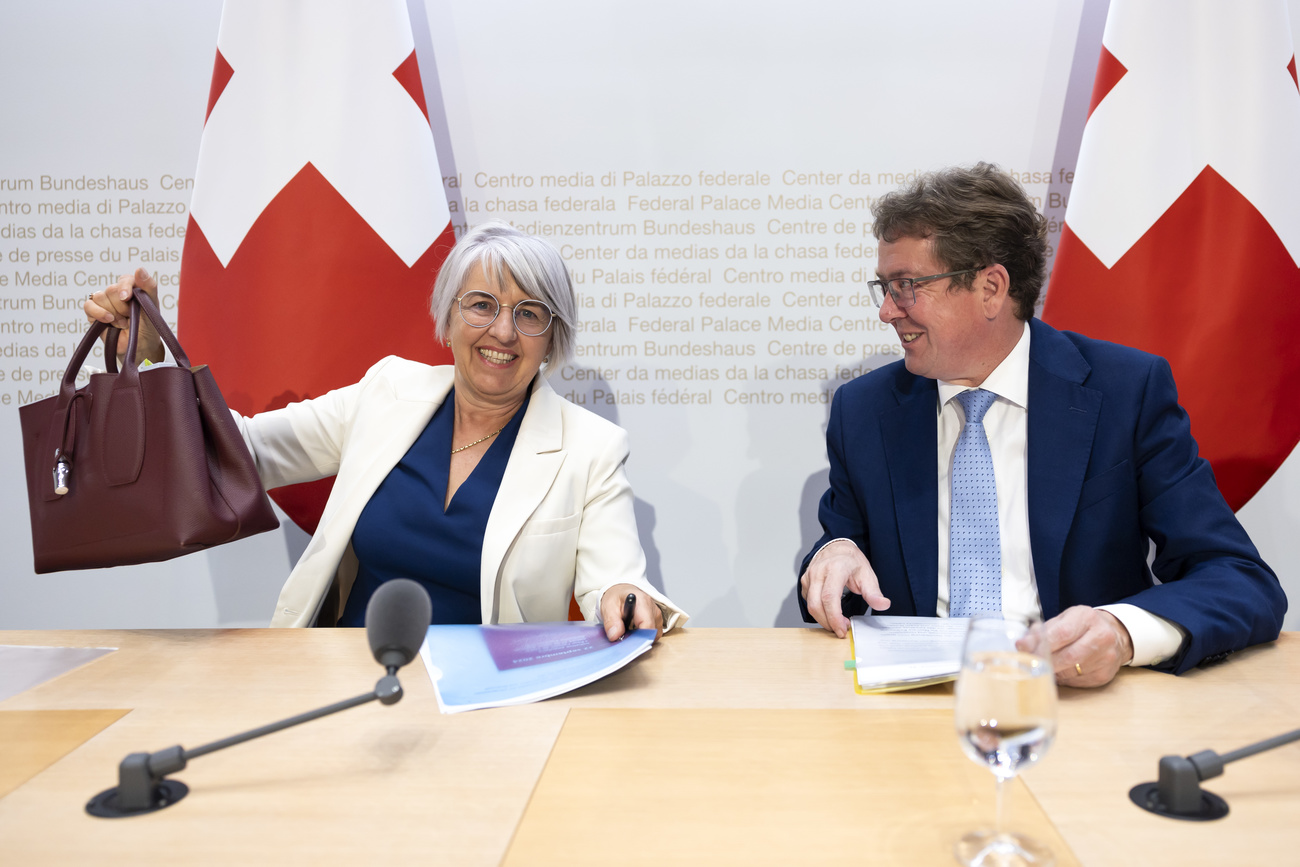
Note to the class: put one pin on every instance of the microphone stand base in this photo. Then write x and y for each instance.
(165, 793)
(1147, 796)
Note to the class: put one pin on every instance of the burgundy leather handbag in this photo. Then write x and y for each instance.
(136, 466)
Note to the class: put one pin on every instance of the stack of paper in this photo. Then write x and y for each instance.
(893, 653)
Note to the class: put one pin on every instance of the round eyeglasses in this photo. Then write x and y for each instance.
(479, 309)
(903, 289)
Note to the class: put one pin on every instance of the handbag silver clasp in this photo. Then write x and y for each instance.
(62, 472)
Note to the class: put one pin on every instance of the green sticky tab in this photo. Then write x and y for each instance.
(850, 664)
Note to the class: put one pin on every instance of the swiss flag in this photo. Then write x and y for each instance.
(318, 220)
(1182, 231)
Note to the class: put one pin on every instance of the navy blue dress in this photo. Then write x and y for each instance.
(403, 531)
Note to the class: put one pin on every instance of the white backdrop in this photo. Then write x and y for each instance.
(691, 132)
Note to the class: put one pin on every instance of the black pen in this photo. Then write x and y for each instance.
(629, 608)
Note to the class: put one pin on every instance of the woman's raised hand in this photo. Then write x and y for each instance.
(112, 305)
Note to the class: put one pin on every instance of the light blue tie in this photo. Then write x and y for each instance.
(974, 547)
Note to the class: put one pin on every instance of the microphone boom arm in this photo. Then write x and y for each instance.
(142, 786)
(397, 617)
(1177, 792)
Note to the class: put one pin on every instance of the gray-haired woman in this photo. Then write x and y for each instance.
(476, 479)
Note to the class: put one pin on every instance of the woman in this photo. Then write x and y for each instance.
(478, 480)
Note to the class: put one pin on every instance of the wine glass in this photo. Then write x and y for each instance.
(1006, 720)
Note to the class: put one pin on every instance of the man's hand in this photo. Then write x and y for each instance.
(645, 616)
(1088, 646)
(837, 566)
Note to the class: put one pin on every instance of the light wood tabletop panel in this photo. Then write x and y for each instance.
(368, 784)
(763, 787)
(409, 785)
(32, 740)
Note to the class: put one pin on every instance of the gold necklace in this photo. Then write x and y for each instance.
(476, 442)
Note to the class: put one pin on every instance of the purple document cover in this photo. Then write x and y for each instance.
(492, 666)
(534, 643)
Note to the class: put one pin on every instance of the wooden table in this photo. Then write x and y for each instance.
(404, 784)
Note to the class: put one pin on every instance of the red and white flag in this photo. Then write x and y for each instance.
(1182, 232)
(318, 220)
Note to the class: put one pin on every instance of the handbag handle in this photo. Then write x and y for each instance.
(127, 410)
(139, 302)
(155, 317)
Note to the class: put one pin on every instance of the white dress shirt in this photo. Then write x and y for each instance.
(1007, 428)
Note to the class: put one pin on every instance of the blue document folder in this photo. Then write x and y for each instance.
(491, 666)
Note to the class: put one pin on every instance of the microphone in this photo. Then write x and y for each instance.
(397, 618)
(1178, 794)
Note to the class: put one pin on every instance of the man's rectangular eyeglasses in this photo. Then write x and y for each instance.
(903, 289)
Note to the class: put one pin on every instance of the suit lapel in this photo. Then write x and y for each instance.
(533, 466)
(911, 442)
(1062, 422)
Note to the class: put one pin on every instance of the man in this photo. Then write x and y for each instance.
(1004, 465)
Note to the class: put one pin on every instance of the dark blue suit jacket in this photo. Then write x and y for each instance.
(1111, 463)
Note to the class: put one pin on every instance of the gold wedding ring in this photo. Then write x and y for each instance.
(1078, 670)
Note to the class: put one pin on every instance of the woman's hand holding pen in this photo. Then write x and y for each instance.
(645, 614)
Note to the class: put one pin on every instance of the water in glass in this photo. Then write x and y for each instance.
(1005, 719)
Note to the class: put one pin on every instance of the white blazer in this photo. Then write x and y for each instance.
(562, 523)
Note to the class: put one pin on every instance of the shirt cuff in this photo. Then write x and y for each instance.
(1154, 638)
(827, 545)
